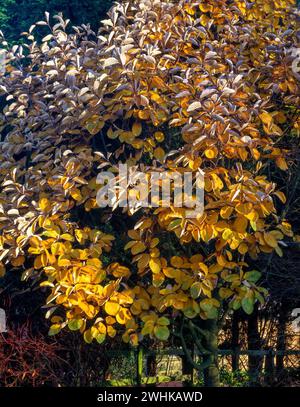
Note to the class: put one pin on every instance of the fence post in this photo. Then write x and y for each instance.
(270, 366)
(235, 359)
(192, 371)
(235, 328)
(139, 365)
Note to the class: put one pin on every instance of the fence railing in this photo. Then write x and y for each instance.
(139, 356)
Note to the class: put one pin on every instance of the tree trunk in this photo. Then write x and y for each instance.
(211, 373)
(281, 341)
(270, 368)
(151, 365)
(235, 342)
(187, 367)
(254, 343)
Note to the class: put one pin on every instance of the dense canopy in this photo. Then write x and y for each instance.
(167, 86)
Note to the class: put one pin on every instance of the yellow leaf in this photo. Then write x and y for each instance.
(138, 247)
(155, 265)
(205, 8)
(270, 239)
(158, 83)
(217, 182)
(144, 114)
(143, 224)
(243, 248)
(244, 208)
(156, 97)
(189, 10)
(17, 262)
(76, 194)
(137, 144)
(227, 234)
(101, 328)
(170, 272)
(2, 270)
(266, 118)
(143, 261)
(158, 279)
(87, 336)
(119, 271)
(89, 309)
(44, 204)
(252, 216)
(176, 261)
(111, 308)
(68, 237)
(159, 136)
(211, 152)
(203, 267)
(281, 163)
(154, 242)
(40, 261)
(130, 244)
(240, 224)
(94, 124)
(123, 316)
(255, 153)
(111, 331)
(137, 129)
(81, 236)
(63, 262)
(204, 20)
(195, 164)
(159, 154)
(54, 329)
(112, 134)
(94, 262)
(281, 196)
(226, 211)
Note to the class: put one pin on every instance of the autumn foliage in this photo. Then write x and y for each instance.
(169, 86)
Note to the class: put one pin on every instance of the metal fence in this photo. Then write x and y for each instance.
(171, 365)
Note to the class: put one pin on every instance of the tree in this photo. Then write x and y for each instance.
(166, 87)
(17, 16)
